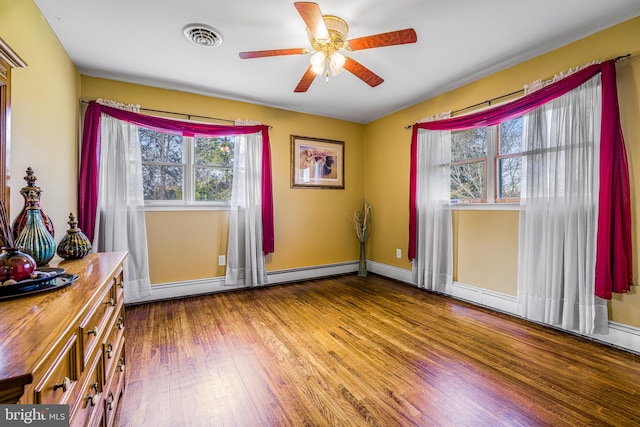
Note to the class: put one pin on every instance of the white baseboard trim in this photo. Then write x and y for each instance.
(312, 272)
(396, 273)
(623, 336)
(187, 288)
(485, 297)
(620, 335)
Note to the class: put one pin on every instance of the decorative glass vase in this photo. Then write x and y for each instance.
(74, 244)
(362, 263)
(21, 219)
(15, 265)
(34, 238)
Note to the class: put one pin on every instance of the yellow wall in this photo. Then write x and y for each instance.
(44, 110)
(312, 226)
(485, 244)
(180, 240)
(484, 232)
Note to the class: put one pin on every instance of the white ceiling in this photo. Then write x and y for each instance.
(459, 41)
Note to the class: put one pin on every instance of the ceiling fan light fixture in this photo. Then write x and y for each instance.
(337, 60)
(317, 61)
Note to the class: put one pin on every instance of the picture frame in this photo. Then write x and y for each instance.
(317, 163)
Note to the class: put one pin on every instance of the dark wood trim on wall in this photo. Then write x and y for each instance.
(8, 60)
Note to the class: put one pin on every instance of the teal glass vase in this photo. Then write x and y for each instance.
(34, 238)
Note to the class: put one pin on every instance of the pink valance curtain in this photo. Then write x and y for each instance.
(90, 160)
(613, 259)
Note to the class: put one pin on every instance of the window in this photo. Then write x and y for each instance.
(486, 164)
(179, 170)
(509, 161)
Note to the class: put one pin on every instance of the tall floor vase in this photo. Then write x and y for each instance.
(362, 263)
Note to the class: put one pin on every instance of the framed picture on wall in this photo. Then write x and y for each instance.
(317, 163)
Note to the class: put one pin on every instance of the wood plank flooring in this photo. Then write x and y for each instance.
(348, 351)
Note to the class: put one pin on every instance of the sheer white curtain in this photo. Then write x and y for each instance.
(433, 264)
(245, 259)
(120, 223)
(558, 220)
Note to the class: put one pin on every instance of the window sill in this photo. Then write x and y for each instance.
(485, 207)
(186, 208)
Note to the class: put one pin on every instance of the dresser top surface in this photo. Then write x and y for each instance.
(32, 326)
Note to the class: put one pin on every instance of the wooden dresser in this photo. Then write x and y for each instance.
(67, 345)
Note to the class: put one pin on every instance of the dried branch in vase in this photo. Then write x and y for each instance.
(362, 221)
(6, 235)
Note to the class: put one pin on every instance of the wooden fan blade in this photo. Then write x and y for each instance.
(274, 52)
(311, 15)
(383, 39)
(362, 72)
(305, 81)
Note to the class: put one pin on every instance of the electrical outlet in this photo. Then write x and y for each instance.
(222, 260)
(398, 253)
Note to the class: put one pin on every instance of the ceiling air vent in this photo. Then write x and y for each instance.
(202, 35)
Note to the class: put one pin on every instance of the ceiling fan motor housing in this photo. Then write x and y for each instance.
(338, 31)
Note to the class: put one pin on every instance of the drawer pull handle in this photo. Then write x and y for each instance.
(93, 331)
(94, 398)
(120, 323)
(120, 283)
(111, 302)
(64, 386)
(121, 364)
(109, 350)
(111, 398)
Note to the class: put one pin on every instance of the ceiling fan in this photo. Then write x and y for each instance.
(328, 35)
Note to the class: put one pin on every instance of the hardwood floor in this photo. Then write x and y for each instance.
(358, 352)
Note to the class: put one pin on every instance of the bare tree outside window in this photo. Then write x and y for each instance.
(486, 164)
(468, 165)
(509, 160)
(186, 169)
(213, 168)
(162, 165)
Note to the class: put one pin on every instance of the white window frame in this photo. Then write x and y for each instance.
(189, 202)
(491, 178)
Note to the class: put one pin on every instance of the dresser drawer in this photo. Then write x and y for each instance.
(92, 328)
(89, 409)
(113, 340)
(59, 383)
(115, 388)
(119, 285)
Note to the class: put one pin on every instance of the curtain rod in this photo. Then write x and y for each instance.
(188, 116)
(517, 92)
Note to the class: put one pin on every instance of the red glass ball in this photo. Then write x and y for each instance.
(16, 265)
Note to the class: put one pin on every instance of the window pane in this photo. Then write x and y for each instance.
(214, 151)
(163, 182)
(509, 177)
(160, 147)
(468, 144)
(213, 184)
(468, 182)
(511, 136)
